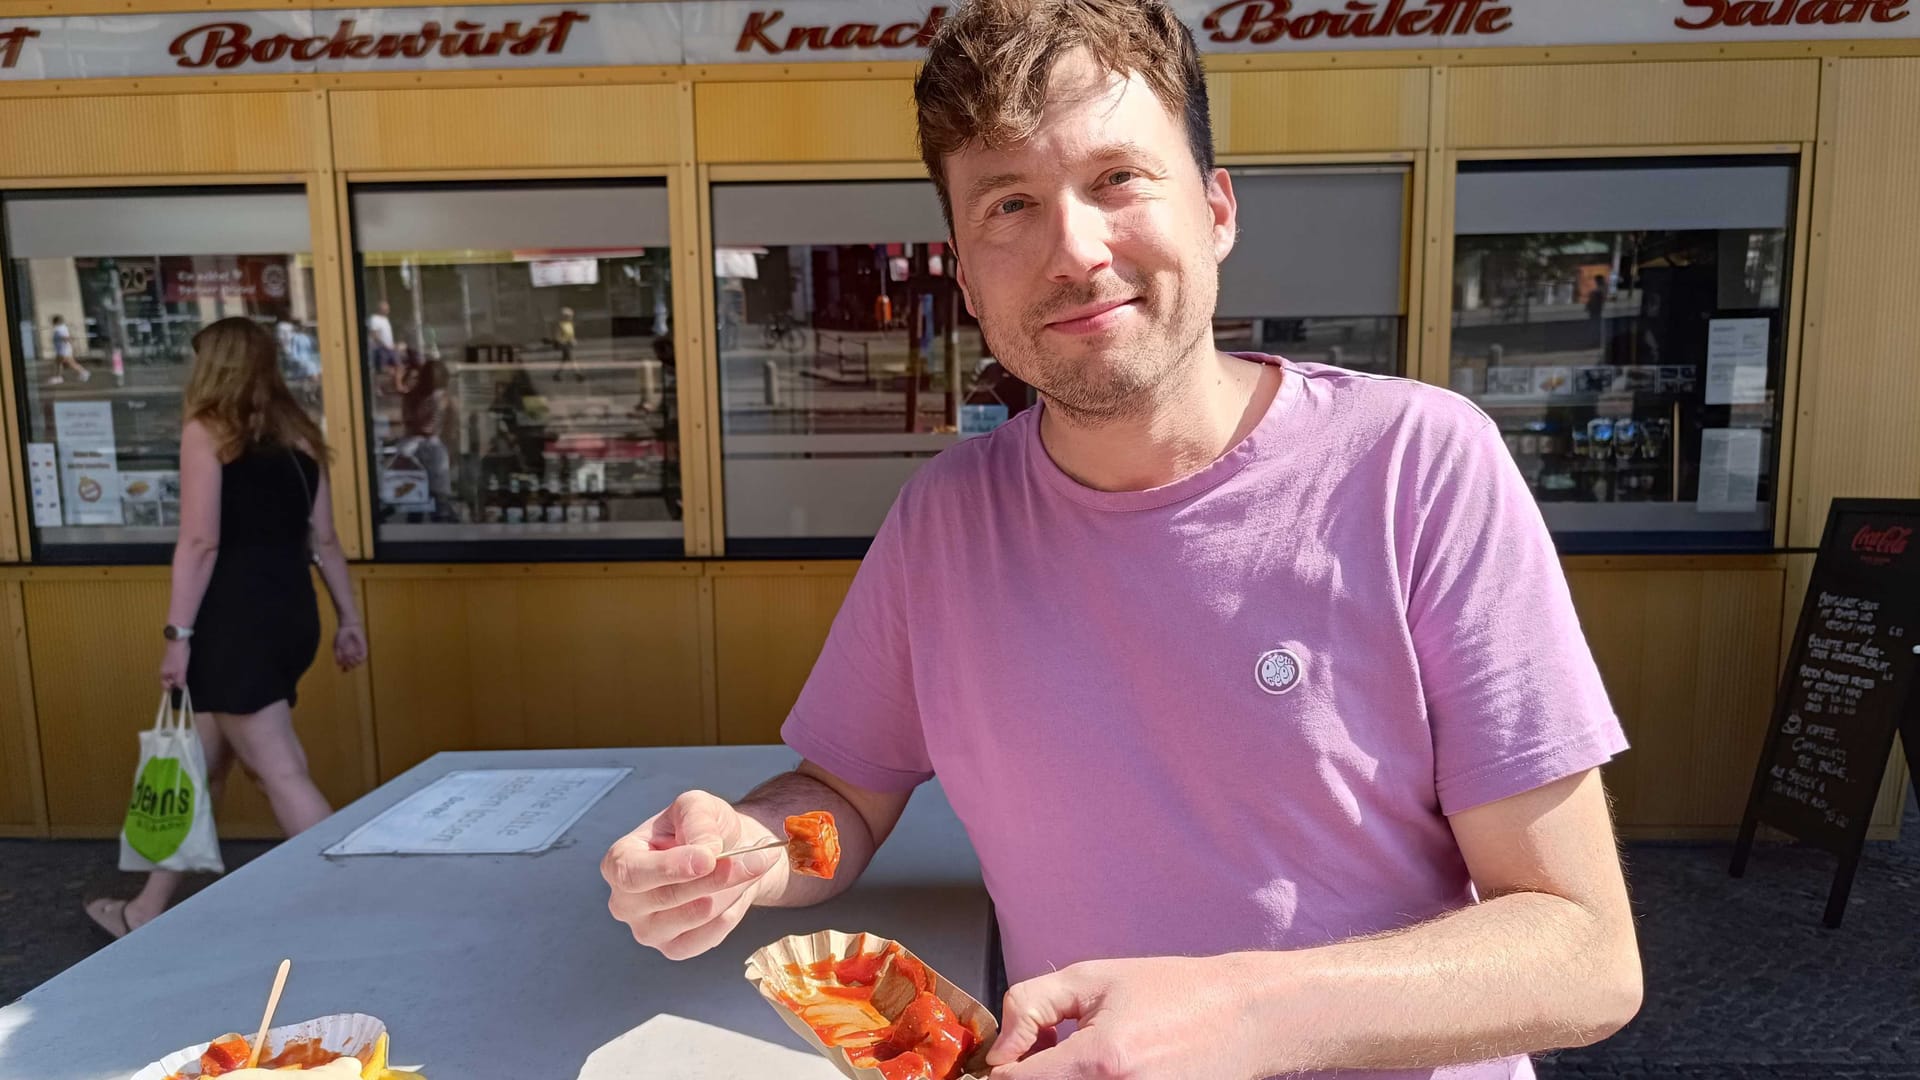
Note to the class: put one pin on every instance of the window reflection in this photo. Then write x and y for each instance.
(1363, 343)
(1634, 372)
(108, 291)
(1315, 274)
(521, 384)
(847, 339)
(847, 358)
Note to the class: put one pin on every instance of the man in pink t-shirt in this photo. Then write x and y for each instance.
(1257, 685)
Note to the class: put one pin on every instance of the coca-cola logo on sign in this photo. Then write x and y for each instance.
(1262, 22)
(11, 44)
(1717, 13)
(1891, 540)
(763, 32)
(233, 44)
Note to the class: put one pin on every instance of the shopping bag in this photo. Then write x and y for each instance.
(169, 823)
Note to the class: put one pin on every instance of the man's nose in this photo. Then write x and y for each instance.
(1080, 241)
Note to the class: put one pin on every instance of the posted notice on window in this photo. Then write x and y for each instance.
(1729, 470)
(1737, 361)
(89, 462)
(43, 476)
(484, 812)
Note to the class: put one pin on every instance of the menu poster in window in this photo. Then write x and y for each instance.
(1730, 460)
(1737, 361)
(89, 462)
(43, 477)
(143, 496)
(1847, 688)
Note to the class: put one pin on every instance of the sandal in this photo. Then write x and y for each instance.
(110, 915)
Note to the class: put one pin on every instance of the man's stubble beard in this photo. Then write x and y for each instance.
(1132, 376)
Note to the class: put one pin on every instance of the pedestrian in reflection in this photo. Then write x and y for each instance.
(1597, 307)
(563, 337)
(63, 357)
(424, 408)
(380, 336)
(243, 622)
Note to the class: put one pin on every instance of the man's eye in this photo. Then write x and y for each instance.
(1121, 176)
(1009, 206)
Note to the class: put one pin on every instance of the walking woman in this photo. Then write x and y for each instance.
(243, 623)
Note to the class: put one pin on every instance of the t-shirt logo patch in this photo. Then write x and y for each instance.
(1278, 671)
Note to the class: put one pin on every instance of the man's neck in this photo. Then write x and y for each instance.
(1201, 414)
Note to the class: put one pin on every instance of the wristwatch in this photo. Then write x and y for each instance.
(177, 633)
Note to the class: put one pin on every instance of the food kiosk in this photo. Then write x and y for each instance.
(626, 320)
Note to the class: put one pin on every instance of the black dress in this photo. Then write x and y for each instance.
(258, 627)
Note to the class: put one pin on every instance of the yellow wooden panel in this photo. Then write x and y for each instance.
(1863, 439)
(95, 654)
(850, 120)
(1689, 660)
(497, 127)
(1263, 112)
(473, 662)
(1793, 595)
(22, 806)
(768, 629)
(160, 134)
(1633, 104)
(1733, 688)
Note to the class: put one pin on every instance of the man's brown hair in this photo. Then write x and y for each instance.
(986, 73)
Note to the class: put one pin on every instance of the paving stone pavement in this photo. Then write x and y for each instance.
(43, 885)
(1743, 982)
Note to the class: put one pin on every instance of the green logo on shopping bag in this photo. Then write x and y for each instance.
(161, 813)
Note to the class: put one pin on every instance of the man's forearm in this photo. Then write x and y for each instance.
(1517, 974)
(784, 796)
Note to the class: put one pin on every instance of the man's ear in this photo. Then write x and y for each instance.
(1226, 213)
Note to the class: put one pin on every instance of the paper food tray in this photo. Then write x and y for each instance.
(767, 970)
(344, 1033)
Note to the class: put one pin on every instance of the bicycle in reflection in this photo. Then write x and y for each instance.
(783, 333)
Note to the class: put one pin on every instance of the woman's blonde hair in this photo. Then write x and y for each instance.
(238, 392)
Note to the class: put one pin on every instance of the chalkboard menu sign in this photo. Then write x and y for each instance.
(1848, 688)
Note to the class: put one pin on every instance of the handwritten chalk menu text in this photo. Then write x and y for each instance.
(1844, 664)
(1848, 688)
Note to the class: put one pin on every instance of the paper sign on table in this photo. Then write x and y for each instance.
(1737, 361)
(484, 812)
(1729, 470)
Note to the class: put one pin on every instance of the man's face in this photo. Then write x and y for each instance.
(1090, 253)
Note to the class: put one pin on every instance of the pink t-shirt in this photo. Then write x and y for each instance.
(1229, 713)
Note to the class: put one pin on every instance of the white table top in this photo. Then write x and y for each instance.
(493, 967)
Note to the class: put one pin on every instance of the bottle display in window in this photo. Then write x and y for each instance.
(1624, 324)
